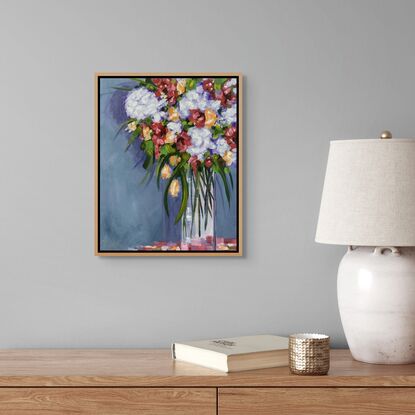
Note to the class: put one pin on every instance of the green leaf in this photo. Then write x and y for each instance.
(122, 126)
(185, 196)
(186, 125)
(177, 170)
(162, 161)
(146, 176)
(218, 83)
(230, 177)
(150, 86)
(166, 199)
(121, 88)
(141, 81)
(133, 137)
(219, 169)
(191, 84)
(148, 147)
(146, 83)
(167, 149)
(148, 162)
(185, 157)
(196, 196)
(217, 131)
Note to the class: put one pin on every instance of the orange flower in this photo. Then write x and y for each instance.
(228, 157)
(174, 188)
(181, 86)
(174, 160)
(132, 126)
(173, 114)
(147, 133)
(210, 118)
(170, 137)
(165, 172)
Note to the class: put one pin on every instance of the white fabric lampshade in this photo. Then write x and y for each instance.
(369, 193)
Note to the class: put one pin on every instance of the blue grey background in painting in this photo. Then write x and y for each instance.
(132, 212)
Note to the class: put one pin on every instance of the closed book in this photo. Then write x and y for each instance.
(235, 354)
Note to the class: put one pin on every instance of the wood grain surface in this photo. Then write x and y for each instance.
(107, 401)
(316, 401)
(154, 368)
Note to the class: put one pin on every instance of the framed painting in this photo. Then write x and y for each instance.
(168, 164)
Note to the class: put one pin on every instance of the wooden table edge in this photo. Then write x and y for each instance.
(205, 381)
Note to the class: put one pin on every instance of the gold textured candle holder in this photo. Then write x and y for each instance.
(309, 354)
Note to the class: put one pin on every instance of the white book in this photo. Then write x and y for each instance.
(235, 354)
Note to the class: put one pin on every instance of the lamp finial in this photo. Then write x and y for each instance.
(385, 134)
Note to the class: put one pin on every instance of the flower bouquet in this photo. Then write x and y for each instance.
(187, 130)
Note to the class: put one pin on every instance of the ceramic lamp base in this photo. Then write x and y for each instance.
(376, 294)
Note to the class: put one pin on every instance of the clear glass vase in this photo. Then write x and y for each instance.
(198, 222)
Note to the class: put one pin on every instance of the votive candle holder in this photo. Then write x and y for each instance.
(309, 354)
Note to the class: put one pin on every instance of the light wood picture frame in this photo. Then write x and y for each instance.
(168, 164)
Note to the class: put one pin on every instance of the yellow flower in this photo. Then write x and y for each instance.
(174, 188)
(228, 157)
(147, 133)
(173, 114)
(165, 172)
(132, 126)
(174, 160)
(170, 137)
(181, 86)
(210, 118)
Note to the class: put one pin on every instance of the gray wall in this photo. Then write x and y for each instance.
(314, 70)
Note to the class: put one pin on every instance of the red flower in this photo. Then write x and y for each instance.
(230, 133)
(230, 137)
(157, 81)
(183, 141)
(166, 87)
(231, 100)
(220, 96)
(169, 89)
(197, 118)
(230, 97)
(194, 163)
(158, 128)
(226, 96)
(158, 141)
(208, 85)
(227, 90)
(208, 163)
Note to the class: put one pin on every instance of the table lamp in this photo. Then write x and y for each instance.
(368, 204)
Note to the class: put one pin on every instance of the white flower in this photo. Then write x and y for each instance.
(176, 127)
(228, 116)
(194, 100)
(142, 103)
(230, 82)
(159, 116)
(221, 146)
(201, 141)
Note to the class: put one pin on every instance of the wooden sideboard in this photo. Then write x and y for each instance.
(148, 382)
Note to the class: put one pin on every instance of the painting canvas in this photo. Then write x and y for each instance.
(169, 164)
